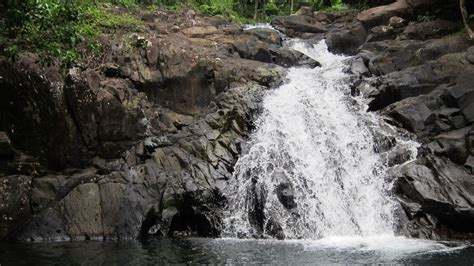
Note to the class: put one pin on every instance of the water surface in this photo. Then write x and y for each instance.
(345, 250)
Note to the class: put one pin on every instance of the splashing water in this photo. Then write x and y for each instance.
(311, 169)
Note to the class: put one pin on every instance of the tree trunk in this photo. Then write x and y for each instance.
(255, 12)
(292, 6)
(465, 18)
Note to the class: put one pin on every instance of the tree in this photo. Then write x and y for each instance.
(465, 18)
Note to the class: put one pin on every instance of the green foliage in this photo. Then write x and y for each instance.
(125, 3)
(336, 5)
(54, 28)
(425, 17)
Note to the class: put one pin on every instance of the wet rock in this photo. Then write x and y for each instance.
(461, 96)
(453, 145)
(398, 157)
(357, 66)
(266, 35)
(403, 84)
(286, 195)
(430, 29)
(443, 191)
(383, 143)
(82, 214)
(256, 212)
(380, 15)
(6, 149)
(413, 115)
(390, 56)
(346, 40)
(274, 229)
(252, 48)
(14, 203)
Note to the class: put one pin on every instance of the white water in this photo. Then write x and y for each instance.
(314, 136)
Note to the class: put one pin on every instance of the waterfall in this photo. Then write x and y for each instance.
(310, 169)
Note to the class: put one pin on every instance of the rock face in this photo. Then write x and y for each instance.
(346, 40)
(253, 49)
(140, 145)
(419, 75)
(382, 14)
(437, 197)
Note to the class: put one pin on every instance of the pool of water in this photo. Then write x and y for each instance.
(345, 250)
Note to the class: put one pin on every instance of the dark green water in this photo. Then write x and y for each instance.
(230, 251)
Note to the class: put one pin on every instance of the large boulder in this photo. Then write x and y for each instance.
(430, 29)
(400, 85)
(453, 145)
(461, 96)
(294, 25)
(266, 35)
(381, 15)
(346, 40)
(252, 48)
(437, 197)
(445, 108)
(412, 114)
(389, 56)
(436, 48)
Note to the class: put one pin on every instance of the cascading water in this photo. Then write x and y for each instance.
(310, 170)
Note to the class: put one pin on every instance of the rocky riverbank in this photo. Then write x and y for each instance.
(140, 141)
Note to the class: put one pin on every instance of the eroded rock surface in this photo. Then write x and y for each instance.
(140, 145)
(419, 76)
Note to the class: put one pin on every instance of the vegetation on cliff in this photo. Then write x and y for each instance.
(69, 30)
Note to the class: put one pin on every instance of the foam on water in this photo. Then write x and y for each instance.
(316, 141)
